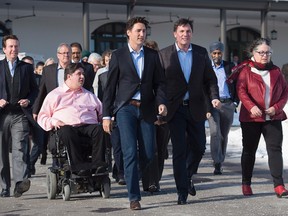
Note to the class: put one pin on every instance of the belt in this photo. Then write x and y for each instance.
(135, 103)
(225, 100)
(185, 102)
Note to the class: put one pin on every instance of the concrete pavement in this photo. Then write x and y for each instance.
(216, 196)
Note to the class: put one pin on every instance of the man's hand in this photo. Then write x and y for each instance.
(58, 124)
(162, 110)
(107, 125)
(208, 115)
(3, 103)
(24, 102)
(35, 116)
(216, 104)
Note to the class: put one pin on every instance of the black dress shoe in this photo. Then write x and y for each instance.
(5, 192)
(121, 181)
(32, 170)
(182, 199)
(43, 159)
(218, 169)
(191, 188)
(152, 188)
(21, 187)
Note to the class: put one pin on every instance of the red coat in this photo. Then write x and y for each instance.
(251, 92)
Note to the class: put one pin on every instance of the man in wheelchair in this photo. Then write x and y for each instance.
(75, 112)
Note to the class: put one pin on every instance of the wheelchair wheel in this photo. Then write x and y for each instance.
(51, 184)
(66, 192)
(105, 187)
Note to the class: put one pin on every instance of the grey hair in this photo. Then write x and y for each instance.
(95, 56)
(257, 43)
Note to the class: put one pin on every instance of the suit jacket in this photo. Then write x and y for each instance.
(202, 79)
(28, 87)
(89, 76)
(49, 81)
(123, 82)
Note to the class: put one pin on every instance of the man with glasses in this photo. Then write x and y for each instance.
(52, 76)
(220, 120)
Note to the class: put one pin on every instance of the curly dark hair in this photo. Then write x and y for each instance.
(131, 22)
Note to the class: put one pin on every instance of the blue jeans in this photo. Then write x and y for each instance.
(133, 128)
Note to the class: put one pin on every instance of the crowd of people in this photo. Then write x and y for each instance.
(132, 101)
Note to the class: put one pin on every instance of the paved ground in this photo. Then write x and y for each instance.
(216, 196)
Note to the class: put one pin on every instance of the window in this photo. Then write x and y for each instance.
(238, 40)
(3, 31)
(109, 36)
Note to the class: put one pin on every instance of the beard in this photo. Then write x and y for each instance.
(217, 61)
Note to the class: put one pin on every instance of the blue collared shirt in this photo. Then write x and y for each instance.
(138, 60)
(185, 59)
(221, 77)
(12, 66)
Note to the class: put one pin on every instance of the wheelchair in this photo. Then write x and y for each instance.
(61, 181)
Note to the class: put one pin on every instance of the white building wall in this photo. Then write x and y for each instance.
(42, 35)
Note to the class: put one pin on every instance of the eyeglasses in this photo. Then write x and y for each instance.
(64, 53)
(262, 53)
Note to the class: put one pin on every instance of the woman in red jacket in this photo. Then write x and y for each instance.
(263, 92)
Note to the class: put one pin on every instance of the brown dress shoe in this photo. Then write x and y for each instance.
(135, 205)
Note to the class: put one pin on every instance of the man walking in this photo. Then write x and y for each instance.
(220, 120)
(18, 90)
(135, 94)
(188, 74)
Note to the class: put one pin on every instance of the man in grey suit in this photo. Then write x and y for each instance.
(18, 90)
(135, 94)
(189, 75)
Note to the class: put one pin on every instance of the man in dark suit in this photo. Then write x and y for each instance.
(189, 74)
(134, 93)
(18, 90)
(220, 120)
(76, 50)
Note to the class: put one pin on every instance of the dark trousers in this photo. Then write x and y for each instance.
(188, 141)
(273, 136)
(37, 134)
(71, 137)
(153, 173)
(118, 170)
